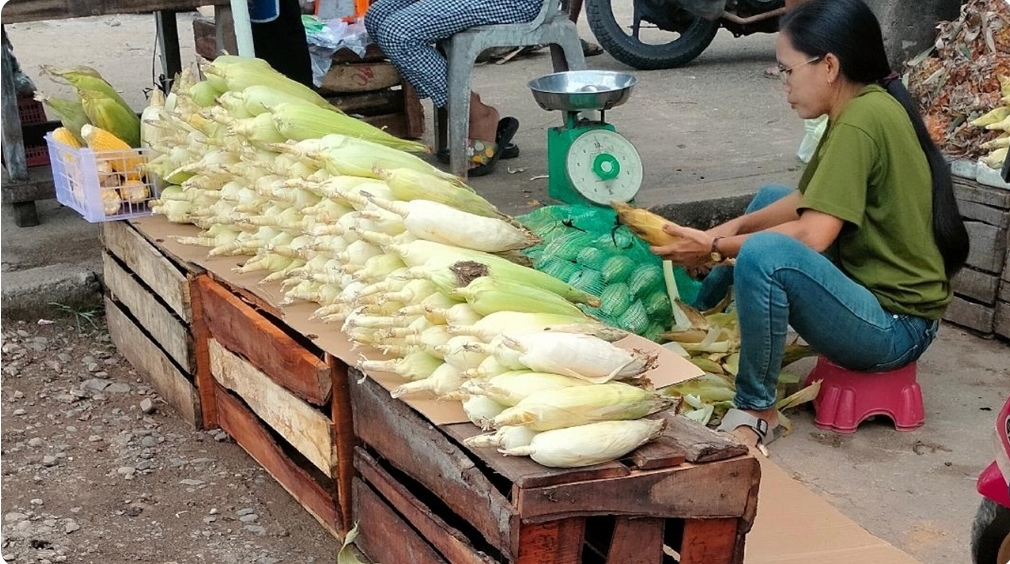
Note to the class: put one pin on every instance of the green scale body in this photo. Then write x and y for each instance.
(588, 162)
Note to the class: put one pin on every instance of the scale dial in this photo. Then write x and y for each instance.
(604, 167)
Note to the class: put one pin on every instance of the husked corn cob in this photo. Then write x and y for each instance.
(126, 160)
(644, 224)
(134, 191)
(585, 445)
(578, 405)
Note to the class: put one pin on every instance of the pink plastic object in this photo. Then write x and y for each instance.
(848, 397)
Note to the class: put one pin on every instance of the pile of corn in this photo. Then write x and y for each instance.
(997, 120)
(102, 121)
(417, 269)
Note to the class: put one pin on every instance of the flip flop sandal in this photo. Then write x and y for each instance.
(484, 154)
(735, 418)
(507, 128)
(590, 49)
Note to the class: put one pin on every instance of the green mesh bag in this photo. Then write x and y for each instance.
(585, 247)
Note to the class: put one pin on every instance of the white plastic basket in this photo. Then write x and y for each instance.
(93, 183)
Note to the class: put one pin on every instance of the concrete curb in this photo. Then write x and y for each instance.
(28, 294)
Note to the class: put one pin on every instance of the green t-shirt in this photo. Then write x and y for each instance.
(869, 171)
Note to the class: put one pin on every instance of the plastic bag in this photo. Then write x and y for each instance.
(327, 37)
(815, 130)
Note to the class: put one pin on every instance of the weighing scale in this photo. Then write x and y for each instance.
(587, 160)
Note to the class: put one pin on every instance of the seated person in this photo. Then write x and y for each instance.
(407, 31)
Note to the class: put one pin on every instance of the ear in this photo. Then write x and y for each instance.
(833, 66)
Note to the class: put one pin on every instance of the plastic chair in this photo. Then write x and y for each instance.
(848, 397)
(550, 27)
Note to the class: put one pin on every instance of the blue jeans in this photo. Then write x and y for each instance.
(779, 282)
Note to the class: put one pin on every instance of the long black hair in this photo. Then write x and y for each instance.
(849, 30)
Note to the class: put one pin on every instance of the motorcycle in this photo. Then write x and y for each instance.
(990, 532)
(663, 34)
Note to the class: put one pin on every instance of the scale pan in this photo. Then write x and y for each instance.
(575, 91)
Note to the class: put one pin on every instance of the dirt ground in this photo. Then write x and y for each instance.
(96, 469)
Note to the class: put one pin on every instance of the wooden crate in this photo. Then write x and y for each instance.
(149, 313)
(980, 289)
(282, 400)
(421, 496)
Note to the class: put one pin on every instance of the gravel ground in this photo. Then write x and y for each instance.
(96, 467)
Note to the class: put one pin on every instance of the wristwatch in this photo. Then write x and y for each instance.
(716, 254)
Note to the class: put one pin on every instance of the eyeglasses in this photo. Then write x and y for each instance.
(786, 72)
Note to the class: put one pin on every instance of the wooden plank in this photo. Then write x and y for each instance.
(971, 191)
(414, 111)
(344, 439)
(241, 329)
(369, 103)
(988, 245)
(685, 491)
(171, 384)
(205, 38)
(360, 77)
(637, 541)
(384, 536)
(17, 11)
(661, 453)
(13, 146)
(166, 329)
(248, 296)
(980, 286)
(699, 443)
(999, 218)
(242, 425)
(393, 124)
(969, 314)
(38, 186)
(308, 431)
(1001, 319)
(408, 441)
(710, 541)
(554, 542)
(146, 261)
(204, 379)
(448, 540)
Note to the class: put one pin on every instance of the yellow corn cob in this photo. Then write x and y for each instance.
(644, 224)
(63, 135)
(125, 161)
(111, 201)
(134, 191)
(302, 121)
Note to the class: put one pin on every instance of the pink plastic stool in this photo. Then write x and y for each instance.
(848, 397)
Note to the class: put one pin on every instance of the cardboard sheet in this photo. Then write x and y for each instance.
(670, 369)
(796, 526)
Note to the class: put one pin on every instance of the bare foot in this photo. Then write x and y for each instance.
(483, 120)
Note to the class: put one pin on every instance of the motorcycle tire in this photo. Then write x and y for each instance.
(990, 534)
(627, 49)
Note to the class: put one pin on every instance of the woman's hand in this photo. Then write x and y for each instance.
(693, 247)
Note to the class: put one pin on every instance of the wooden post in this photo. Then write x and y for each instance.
(168, 43)
(13, 142)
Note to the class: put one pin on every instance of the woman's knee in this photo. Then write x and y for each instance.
(763, 249)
